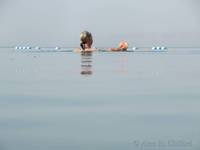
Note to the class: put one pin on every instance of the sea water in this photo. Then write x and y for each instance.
(99, 101)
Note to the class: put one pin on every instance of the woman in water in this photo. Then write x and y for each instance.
(87, 41)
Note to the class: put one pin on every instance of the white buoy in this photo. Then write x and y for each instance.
(16, 47)
(24, 47)
(158, 48)
(20, 47)
(28, 47)
(153, 48)
(57, 48)
(163, 48)
(134, 48)
(37, 48)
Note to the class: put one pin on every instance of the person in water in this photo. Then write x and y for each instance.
(123, 46)
(86, 40)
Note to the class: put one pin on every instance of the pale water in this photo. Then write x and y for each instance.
(99, 101)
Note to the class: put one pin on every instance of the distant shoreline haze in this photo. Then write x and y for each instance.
(139, 22)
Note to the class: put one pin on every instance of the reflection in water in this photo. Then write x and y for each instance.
(86, 63)
(122, 65)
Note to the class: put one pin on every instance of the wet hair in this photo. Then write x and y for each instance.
(85, 36)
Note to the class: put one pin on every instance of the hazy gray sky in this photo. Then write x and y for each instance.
(140, 22)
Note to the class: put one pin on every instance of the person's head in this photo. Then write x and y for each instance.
(123, 45)
(86, 39)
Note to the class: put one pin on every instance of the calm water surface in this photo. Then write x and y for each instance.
(99, 101)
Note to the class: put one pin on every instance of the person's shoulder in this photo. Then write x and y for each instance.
(114, 49)
(77, 50)
(90, 50)
(86, 50)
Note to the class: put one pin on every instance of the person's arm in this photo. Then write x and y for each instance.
(90, 50)
(77, 50)
(114, 49)
(123, 46)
